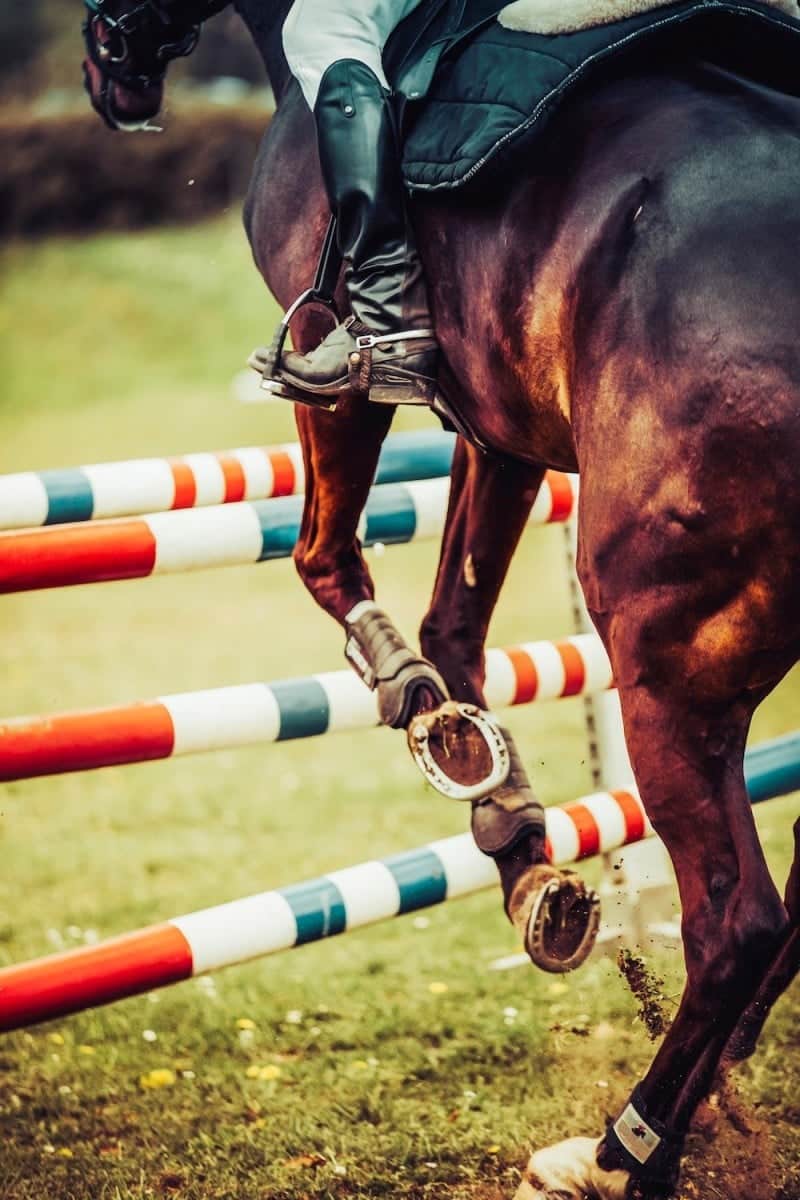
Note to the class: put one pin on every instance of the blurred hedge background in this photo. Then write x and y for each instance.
(64, 172)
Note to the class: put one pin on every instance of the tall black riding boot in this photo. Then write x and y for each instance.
(386, 349)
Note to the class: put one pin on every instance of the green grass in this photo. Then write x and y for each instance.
(369, 1083)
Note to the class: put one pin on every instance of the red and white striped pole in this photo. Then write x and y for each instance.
(259, 713)
(271, 921)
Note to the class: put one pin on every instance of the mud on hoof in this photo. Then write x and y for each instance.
(569, 1171)
(460, 750)
(558, 917)
(742, 1044)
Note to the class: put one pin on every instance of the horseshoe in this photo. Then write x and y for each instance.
(419, 742)
(553, 908)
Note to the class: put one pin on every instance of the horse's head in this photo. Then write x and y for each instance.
(130, 44)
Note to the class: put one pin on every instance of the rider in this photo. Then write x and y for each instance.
(334, 51)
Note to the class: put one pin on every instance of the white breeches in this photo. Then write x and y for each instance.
(318, 33)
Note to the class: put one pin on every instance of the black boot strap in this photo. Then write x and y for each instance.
(366, 341)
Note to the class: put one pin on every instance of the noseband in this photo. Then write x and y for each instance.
(134, 48)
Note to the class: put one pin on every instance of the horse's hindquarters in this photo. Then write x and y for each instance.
(685, 401)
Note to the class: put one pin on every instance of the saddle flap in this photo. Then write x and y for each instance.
(471, 88)
(416, 47)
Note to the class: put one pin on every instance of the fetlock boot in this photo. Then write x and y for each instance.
(386, 349)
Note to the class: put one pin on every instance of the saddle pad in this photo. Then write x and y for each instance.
(493, 86)
(567, 16)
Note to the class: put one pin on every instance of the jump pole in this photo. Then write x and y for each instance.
(258, 713)
(236, 534)
(264, 924)
(269, 922)
(147, 485)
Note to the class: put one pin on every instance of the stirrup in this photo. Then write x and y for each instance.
(500, 759)
(267, 360)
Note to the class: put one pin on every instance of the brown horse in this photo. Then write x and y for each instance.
(633, 314)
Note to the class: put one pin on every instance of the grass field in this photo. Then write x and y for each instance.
(390, 1062)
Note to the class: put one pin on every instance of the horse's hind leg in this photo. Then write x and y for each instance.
(689, 768)
(693, 652)
(490, 501)
(783, 970)
(689, 765)
(781, 973)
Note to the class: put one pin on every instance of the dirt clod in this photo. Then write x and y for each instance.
(646, 989)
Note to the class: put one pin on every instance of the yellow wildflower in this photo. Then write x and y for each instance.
(270, 1072)
(161, 1077)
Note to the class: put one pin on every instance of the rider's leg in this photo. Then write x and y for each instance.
(317, 33)
(334, 50)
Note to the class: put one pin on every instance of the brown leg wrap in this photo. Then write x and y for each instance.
(405, 682)
(509, 816)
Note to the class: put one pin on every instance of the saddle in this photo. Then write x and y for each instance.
(475, 83)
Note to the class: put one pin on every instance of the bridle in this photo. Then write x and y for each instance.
(134, 48)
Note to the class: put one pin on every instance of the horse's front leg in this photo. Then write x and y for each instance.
(490, 502)
(340, 456)
(340, 453)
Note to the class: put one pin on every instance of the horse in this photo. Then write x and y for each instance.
(630, 313)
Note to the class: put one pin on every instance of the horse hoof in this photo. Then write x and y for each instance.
(741, 1045)
(558, 917)
(460, 750)
(569, 1171)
